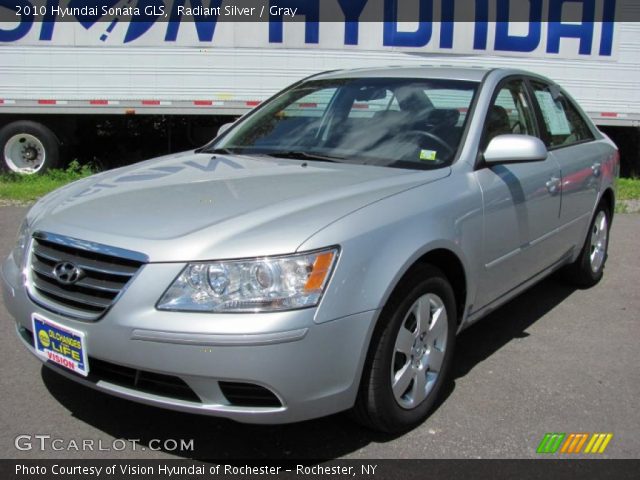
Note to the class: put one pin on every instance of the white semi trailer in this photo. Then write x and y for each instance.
(65, 72)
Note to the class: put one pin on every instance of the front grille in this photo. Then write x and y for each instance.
(141, 380)
(248, 395)
(105, 273)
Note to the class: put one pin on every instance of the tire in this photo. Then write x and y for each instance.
(427, 361)
(28, 148)
(588, 268)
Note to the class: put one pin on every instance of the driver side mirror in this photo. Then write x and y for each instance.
(224, 128)
(515, 149)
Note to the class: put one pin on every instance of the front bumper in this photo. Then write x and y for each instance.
(312, 369)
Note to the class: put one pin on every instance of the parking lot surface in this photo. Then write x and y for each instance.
(555, 359)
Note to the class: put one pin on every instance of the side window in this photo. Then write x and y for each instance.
(563, 124)
(510, 113)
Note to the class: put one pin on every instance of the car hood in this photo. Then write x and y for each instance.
(193, 206)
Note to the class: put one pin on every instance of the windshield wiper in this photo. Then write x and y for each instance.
(302, 155)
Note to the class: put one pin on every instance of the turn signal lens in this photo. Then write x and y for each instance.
(320, 271)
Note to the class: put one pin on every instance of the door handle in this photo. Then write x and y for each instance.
(553, 185)
(596, 168)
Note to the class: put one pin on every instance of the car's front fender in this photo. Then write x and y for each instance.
(382, 241)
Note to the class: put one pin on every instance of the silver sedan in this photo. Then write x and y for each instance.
(323, 252)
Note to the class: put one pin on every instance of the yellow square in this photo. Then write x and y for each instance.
(427, 154)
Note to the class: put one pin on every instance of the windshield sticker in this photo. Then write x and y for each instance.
(428, 155)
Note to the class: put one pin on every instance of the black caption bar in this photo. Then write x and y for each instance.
(333, 469)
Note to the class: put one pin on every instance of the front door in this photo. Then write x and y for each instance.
(521, 201)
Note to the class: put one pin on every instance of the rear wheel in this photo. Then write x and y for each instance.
(588, 268)
(410, 354)
(28, 147)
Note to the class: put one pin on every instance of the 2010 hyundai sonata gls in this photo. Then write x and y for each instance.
(323, 252)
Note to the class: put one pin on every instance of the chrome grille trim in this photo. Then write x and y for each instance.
(92, 247)
(107, 273)
(46, 253)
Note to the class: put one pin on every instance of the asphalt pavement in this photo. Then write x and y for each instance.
(555, 359)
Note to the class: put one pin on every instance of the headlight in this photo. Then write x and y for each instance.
(258, 285)
(20, 249)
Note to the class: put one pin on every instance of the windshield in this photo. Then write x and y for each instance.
(393, 122)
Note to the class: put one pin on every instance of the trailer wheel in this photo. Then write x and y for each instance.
(28, 148)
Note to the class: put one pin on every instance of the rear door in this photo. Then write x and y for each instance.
(570, 141)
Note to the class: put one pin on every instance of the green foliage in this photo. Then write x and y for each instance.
(27, 188)
(629, 189)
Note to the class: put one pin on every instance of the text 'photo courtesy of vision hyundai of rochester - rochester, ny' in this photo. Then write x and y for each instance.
(323, 252)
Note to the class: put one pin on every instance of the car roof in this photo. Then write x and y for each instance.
(473, 74)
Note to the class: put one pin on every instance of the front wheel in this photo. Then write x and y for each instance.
(410, 354)
(588, 268)
(28, 148)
